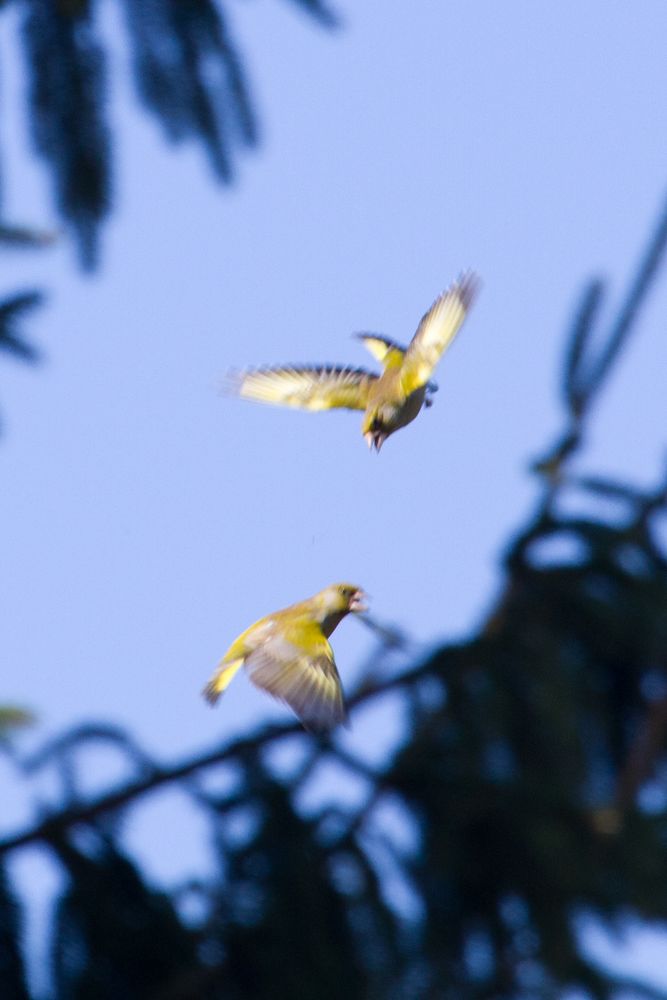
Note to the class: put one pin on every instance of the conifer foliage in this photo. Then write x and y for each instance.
(188, 74)
(13, 307)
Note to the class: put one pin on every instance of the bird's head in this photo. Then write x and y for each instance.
(349, 597)
(341, 598)
(336, 601)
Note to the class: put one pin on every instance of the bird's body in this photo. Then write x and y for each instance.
(389, 408)
(389, 400)
(288, 654)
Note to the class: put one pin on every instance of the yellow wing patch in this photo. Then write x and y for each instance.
(436, 332)
(308, 388)
(389, 354)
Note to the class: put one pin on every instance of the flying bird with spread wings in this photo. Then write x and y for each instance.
(389, 400)
(288, 654)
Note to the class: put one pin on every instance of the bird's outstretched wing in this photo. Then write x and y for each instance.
(307, 681)
(436, 331)
(323, 387)
(386, 351)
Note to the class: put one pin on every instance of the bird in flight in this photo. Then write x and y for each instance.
(288, 654)
(389, 400)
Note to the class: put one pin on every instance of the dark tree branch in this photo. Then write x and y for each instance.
(56, 823)
(584, 377)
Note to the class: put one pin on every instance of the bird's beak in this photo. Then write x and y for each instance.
(357, 601)
(373, 440)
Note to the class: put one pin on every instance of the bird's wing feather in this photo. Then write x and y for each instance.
(234, 658)
(302, 674)
(221, 679)
(436, 331)
(388, 353)
(308, 387)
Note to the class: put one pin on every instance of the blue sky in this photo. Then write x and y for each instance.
(147, 520)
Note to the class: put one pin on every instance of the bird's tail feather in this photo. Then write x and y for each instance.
(221, 679)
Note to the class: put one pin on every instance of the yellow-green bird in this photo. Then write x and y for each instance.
(390, 400)
(288, 654)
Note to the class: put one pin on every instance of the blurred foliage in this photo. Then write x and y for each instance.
(188, 74)
(14, 307)
(11, 313)
(526, 793)
(101, 950)
(12, 976)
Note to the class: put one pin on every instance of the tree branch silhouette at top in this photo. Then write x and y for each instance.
(188, 74)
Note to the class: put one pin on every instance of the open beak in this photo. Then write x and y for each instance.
(357, 601)
(373, 440)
